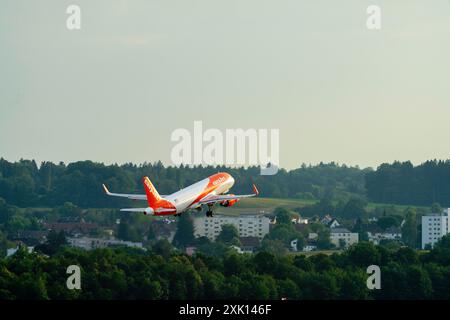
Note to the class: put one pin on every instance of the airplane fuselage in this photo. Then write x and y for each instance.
(188, 198)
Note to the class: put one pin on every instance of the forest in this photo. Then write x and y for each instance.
(164, 273)
(26, 184)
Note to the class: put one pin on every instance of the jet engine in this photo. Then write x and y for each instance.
(149, 211)
(229, 203)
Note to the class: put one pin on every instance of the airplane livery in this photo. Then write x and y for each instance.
(208, 192)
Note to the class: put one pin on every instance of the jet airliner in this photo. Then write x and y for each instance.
(208, 192)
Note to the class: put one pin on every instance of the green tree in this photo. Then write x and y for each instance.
(387, 222)
(355, 208)
(276, 247)
(229, 235)
(283, 216)
(184, 235)
(323, 239)
(409, 230)
(55, 241)
(163, 248)
(436, 208)
(364, 254)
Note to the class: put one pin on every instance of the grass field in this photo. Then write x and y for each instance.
(267, 205)
(262, 205)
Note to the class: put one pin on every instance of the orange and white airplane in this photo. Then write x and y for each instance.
(208, 192)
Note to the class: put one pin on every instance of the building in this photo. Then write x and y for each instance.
(190, 251)
(299, 220)
(334, 224)
(72, 228)
(30, 238)
(249, 244)
(342, 237)
(247, 225)
(313, 236)
(164, 230)
(309, 247)
(434, 227)
(326, 220)
(95, 243)
(392, 233)
(10, 252)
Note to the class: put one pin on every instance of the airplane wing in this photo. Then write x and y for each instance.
(124, 195)
(140, 210)
(145, 210)
(220, 198)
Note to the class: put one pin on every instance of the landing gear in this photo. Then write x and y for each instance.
(210, 212)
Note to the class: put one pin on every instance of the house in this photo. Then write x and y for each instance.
(300, 227)
(10, 252)
(71, 228)
(309, 247)
(392, 233)
(30, 237)
(313, 236)
(326, 220)
(342, 237)
(299, 220)
(294, 245)
(334, 223)
(330, 222)
(249, 244)
(238, 250)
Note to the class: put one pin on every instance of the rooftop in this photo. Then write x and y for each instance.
(339, 230)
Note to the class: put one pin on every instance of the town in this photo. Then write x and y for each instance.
(281, 231)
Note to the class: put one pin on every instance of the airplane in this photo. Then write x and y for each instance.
(208, 192)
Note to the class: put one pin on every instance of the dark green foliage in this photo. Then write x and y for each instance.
(283, 216)
(409, 229)
(229, 235)
(185, 232)
(55, 240)
(160, 273)
(403, 183)
(25, 184)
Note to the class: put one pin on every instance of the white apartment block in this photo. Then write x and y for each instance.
(342, 235)
(247, 225)
(434, 227)
(87, 243)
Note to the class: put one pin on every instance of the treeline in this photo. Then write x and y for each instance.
(162, 273)
(25, 184)
(403, 183)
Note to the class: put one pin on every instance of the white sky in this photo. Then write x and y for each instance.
(137, 70)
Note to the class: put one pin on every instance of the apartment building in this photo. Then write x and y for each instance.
(434, 227)
(247, 225)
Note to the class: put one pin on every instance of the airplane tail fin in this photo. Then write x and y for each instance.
(153, 196)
